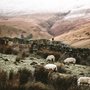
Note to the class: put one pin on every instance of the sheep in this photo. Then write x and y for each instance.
(83, 80)
(50, 58)
(51, 67)
(70, 60)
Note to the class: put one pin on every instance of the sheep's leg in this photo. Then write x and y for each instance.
(52, 60)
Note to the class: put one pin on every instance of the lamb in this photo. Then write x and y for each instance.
(83, 80)
(70, 60)
(50, 58)
(52, 67)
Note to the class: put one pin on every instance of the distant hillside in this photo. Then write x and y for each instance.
(36, 24)
(77, 38)
(11, 31)
(30, 23)
(66, 25)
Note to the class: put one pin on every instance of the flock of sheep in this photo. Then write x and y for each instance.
(53, 67)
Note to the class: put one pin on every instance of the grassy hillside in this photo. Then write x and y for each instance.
(9, 31)
(12, 31)
(77, 38)
(66, 25)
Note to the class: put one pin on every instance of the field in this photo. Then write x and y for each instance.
(23, 68)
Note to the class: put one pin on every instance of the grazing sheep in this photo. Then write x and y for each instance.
(70, 60)
(83, 80)
(52, 67)
(50, 58)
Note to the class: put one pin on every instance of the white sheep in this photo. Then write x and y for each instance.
(52, 67)
(70, 60)
(50, 58)
(83, 80)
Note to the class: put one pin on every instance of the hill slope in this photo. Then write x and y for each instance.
(66, 25)
(28, 23)
(77, 38)
(11, 31)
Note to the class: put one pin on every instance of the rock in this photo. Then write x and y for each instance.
(33, 63)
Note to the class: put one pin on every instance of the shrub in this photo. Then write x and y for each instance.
(25, 54)
(18, 59)
(8, 84)
(41, 74)
(11, 74)
(25, 76)
(3, 80)
(60, 67)
(37, 86)
(62, 82)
